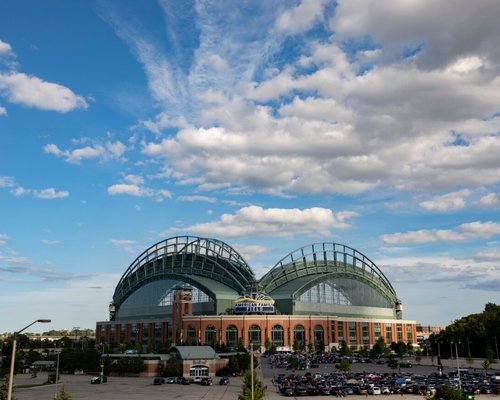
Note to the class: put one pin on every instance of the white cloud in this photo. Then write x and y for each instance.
(476, 271)
(20, 191)
(250, 251)
(31, 91)
(6, 181)
(104, 152)
(125, 244)
(5, 48)
(134, 179)
(50, 193)
(302, 17)
(326, 119)
(138, 191)
(258, 221)
(491, 200)
(50, 242)
(3, 111)
(448, 202)
(469, 231)
(197, 198)
(3, 238)
(130, 189)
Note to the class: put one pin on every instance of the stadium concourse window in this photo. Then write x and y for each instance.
(277, 336)
(299, 337)
(210, 335)
(232, 336)
(254, 336)
(319, 337)
(191, 335)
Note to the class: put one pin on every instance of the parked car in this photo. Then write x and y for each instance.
(170, 380)
(158, 381)
(224, 381)
(206, 381)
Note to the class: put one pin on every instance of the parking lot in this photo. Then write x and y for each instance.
(121, 388)
(124, 388)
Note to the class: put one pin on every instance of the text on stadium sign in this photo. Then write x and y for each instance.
(254, 303)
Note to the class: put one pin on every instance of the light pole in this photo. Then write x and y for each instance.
(13, 358)
(251, 369)
(458, 368)
(496, 346)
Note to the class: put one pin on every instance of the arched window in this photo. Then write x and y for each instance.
(191, 335)
(299, 337)
(277, 336)
(232, 336)
(254, 336)
(319, 338)
(210, 335)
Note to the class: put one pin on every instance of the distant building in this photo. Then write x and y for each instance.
(191, 290)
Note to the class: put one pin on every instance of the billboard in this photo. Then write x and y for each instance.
(254, 303)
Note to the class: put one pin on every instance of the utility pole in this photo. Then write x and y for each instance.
(251, 369)
(458, 368)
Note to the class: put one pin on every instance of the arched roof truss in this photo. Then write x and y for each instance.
(189, 259)
(307, 266)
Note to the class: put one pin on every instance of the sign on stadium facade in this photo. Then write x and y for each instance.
(254, 303)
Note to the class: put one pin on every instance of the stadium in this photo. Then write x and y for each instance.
(195, 291)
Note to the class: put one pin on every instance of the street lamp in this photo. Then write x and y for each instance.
(13, 359)
(458, 367)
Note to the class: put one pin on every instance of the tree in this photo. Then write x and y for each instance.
(4, 388)
(34, 372)
(470, 360)
(173, 367)
(62, 394)
(247, 387)
(392, 362)
(486, 365)
(267, 344)
(379, 348)
(448, 393)
(345, 349)
(418, 356)
(344, 365)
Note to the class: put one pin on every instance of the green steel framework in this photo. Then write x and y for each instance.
(307, 266)
(194, 260)
(216, 268)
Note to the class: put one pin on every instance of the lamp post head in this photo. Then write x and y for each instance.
(44, 321)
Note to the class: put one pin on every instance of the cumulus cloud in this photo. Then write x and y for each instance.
(469, 231)
(6, 181)
(104, 152)
(50, 242)
(3, 111)
(476, 271)
(138, 191)
(125, 244)
(490, 200)
(3, 238)
(258, 221)
(329, 116)
(50, 193)
(302, 17)
(192, 198)
(447, 202)
(5, 48)
(32, 91)
(250, 251)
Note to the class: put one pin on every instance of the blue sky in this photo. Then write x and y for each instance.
(268, 125)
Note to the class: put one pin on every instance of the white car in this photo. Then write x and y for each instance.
(375, 390)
